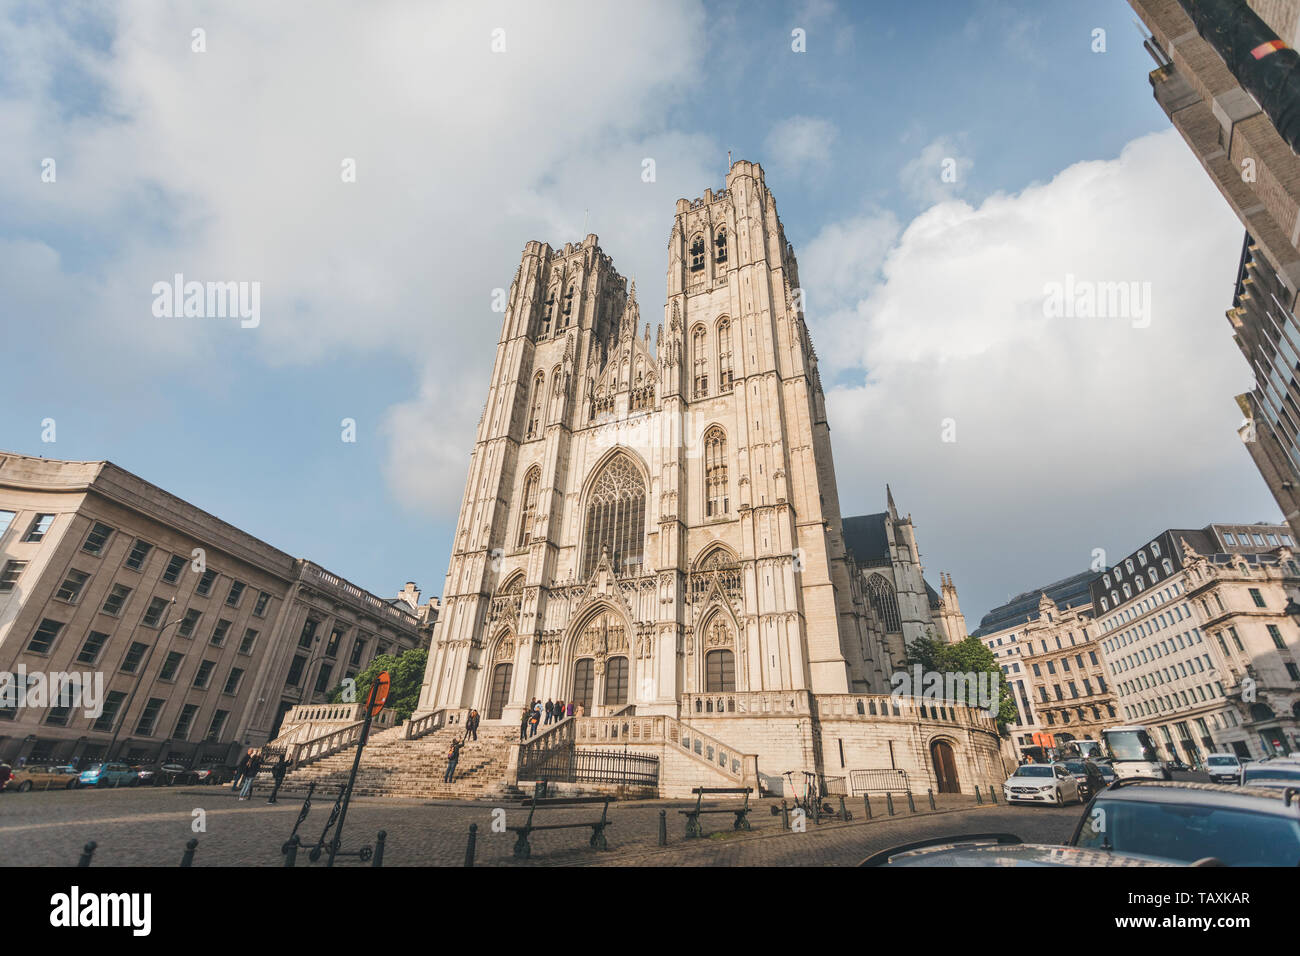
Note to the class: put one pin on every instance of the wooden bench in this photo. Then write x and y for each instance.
(523, 849)
(693, 828)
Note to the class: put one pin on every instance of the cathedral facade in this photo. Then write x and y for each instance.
(646, 525)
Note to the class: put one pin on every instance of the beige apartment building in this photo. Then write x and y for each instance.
(1218, 77)
(203, 636)
(1201, 641)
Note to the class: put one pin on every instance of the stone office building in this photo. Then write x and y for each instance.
(203, 635)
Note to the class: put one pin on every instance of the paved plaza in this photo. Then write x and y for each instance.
(150, 826)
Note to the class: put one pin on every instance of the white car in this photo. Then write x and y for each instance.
(1223, 768)
(1278, 773)
(1042, 783)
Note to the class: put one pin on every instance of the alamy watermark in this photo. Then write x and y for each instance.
(67, 689)
(179, 299)
(1086, 299)
(970, 687)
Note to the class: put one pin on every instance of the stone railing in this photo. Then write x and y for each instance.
(633, 731)
(299, 754)
(758, 703)
(308, 721)
(909, 709)
(428, 723)
(332, 583)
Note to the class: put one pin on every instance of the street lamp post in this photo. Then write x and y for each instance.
(144, 665)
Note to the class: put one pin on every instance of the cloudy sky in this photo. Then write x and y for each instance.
(924, 291)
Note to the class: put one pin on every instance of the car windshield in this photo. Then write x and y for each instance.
(1223, 761)
(1034, 770)
(1190, 832)
(1076, 766)
(1131, 745)
(1269, 772)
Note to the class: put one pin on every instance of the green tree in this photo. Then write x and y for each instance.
(406, 671)
(965, 657)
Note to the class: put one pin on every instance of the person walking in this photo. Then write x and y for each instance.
(250, 774)
(277, 773)
(453, 755)
(550, 710)
(241, 768)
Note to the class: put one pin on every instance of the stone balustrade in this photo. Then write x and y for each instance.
(756, 703)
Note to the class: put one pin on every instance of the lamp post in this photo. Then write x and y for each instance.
(144, 664)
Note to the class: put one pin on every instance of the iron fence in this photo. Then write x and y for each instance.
(863, 781)
(567, 764)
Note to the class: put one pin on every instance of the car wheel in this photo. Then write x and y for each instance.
(70, 785)
(25, 786)
(1060, 800)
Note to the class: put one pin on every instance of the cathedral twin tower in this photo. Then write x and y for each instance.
(642, 526)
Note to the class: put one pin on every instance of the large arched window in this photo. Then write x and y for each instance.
(885, 603)
(616, 671)
(725, 377)
(615, 516)
(719, 671)
(535, 408)
(697, 253)
(531, 481)
(720, 244)
(700, 358)
(584, 684)
(548, 312)
(716, 500)
(566, 316)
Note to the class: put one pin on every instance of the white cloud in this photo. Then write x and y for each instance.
(938, 173)
(1066, 428)
(800, 144)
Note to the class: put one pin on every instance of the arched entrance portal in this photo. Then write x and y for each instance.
(500, 692)
(584, 684)
(945, 767)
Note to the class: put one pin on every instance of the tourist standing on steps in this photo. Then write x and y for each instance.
(453, 755)
(550, 710)
(523, 724)
(471, 725)
(559, 711)
(277, 772)
(250, 774)
(569, 712)
(534, 719)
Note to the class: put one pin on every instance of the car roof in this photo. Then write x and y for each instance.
(963, 853)
(1224, 795)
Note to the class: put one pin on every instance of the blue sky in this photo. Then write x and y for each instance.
(923, 296)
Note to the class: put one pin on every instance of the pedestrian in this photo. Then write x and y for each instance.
(277, 773)
(471, 725)
(579, 711)
(534, 719)
(453, 755)
(559, 711)
(569, 711)
(550, 710)
(250, 774)
(241, 768)
(523, 724)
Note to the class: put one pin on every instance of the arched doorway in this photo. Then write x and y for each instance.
(720, 671)
(616, 672)
(500, 692)
(584, 684)
(945, 767)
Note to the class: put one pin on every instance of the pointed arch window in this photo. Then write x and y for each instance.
(615, 516)
(566, 316)
(720, 244)
(700, 357)
(716, 501)
(535, 409)
(548, 312)
(697, 253)
(725, 378)
(885, 603)
(531, 482)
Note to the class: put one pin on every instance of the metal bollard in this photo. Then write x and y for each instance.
(911, 804)
(378, 858)
(87, 852)
(290, 850)
(889, 802)
(469, 847)
(993, 793)
(931, 794)
(866, 804)
(979, 800)
(187, 858)
(844, 811)
(663, 827)
(785, 816)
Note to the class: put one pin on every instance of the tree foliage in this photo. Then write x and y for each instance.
(965, 657)
(406, 671)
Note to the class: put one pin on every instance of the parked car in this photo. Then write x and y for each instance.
(1223, 768)
(1206, 823)
(214, 774)
(42, 778)
(1001, 849)
(1278, 773)
(1108, 774)
(1042, 783)
(1088, 777)
(167, 774)
(110, 774)
(1177, 764)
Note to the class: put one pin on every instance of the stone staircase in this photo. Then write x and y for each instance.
(392, 766)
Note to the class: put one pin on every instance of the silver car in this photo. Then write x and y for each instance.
(1042, 783)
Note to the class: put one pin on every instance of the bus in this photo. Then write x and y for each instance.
(1133, 754)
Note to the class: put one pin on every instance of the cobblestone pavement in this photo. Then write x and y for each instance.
(149, 827)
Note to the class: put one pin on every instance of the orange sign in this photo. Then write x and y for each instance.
(379, 693)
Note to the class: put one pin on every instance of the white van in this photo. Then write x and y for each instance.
(1134, 754)
(1223, 768)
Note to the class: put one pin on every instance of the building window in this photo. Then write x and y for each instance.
(720, 243)
(13, 570)
(1257, 597)
(358, 648)
(189, 623)
(184, 722)
(232, 681)
(697, 253)
(204, 587)
(700, 359)
(548, 312)
(531, 482)
(884, 601)
(323, 677)
(566, 314)
(97, 538)
(134, 654)
(616, 671)
(247, 644)
(716, 498)
(40, 525)
(174, 567)
(615, 516)
(218, 638)
(43, 640)
(308, 633)
(725, 377)
(116, 599)
(70, 589)
(6, 519)
(295, 671)
(336, 636)
(91, 647)
(259, 609)
(108, 716)
(236, 594)
(171, 666)
(204, 674)
(535, 409)
(720, 671)
(144, 726)
(215, 728)
(139, 551)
